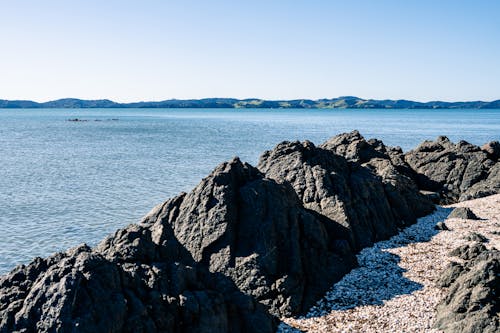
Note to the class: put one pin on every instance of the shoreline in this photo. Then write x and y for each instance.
(252, 244)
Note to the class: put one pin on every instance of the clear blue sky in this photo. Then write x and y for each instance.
(155, 50)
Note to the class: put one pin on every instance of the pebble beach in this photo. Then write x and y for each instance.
(394, 288)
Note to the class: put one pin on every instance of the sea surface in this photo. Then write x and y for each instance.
(63, 183)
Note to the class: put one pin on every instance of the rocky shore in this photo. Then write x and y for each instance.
(421, 280)
(251, 245)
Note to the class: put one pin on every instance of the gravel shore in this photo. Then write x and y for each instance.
(394, 289)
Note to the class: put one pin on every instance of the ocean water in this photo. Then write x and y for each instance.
(64, 183)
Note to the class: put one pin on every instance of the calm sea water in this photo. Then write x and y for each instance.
(64, 183)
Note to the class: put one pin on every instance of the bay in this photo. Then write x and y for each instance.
(63, 183)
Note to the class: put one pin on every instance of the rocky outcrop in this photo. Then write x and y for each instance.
(386, 162)
(128, 284)
(476, 237)
(458, 171)
(229, 256)
(471, 303)
(255, 231)
(483, 188)
(247, 245)
(354, 147)
(371, 200)
(447, 172)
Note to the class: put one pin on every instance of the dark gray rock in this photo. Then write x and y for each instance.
(74, 290)
(468, 252)
(441, 226)
(450, 274)
(453, 169)
(475, 237)
(371, 201)
(125, 285)
(492, 149)
(488, 186)
(256, 232)
(355, 148)
(471, 303)
(463, 213)
(387, 163)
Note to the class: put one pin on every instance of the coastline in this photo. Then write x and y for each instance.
(343, 102)
(249, 245)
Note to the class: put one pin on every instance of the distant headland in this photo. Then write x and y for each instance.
(344, 102)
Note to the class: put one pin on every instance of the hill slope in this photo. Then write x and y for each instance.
(345, 102)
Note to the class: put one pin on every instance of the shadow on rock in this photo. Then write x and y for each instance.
(379, 277)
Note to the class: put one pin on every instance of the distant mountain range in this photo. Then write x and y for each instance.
(345, 102)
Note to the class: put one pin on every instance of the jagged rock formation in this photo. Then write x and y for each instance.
(245, 246)
(471, 303)
(371, 200)
(483, 188)
(459, 172)
(256, 232)
(129, 283)
(454, 171)
(223, 258)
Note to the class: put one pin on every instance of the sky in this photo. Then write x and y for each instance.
(156, 50)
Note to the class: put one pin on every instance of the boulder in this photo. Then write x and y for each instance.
(389, 164)
(354, 147)
(471, 302)
(441, 226)
(450, 274)
(463, 213)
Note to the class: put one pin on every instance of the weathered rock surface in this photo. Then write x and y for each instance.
(256, 232)
(371, 200)
(458, 171)
(468, 252)
(471, 304)
(455, 171)
(127, 284)
(475, 237)
(492, 149)
(463, 213)
(485, 187)
(355, 148)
